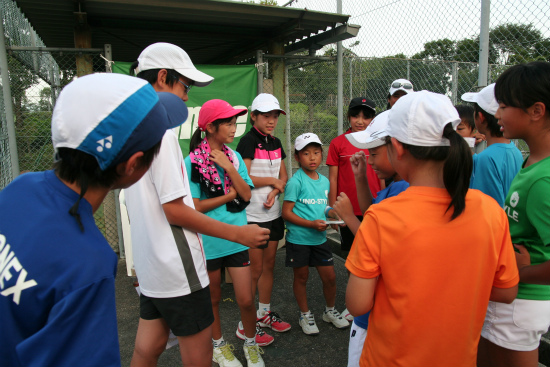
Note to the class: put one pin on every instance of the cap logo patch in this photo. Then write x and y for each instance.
(107, 143)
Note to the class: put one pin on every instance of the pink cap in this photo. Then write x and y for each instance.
(216, 109)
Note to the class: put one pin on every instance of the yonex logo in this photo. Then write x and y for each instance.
(106, 143)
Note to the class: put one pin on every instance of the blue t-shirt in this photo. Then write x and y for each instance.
(214, 247)
(393, 189)
(311, 199)
(494, 169)
(59, 298)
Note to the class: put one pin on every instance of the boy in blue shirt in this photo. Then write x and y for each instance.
(304, 210)
(497, 165)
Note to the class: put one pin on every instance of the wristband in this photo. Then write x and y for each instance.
(327, 209)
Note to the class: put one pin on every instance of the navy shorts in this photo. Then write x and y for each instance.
(236, 260)
(276, 227)
(306, 255)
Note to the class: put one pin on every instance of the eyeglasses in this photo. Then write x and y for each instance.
(187, 87)
(401, 84)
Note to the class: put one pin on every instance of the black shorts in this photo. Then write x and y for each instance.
(346, 237)
(236, 260)
(277, 228)
(185, 315)
(306, 255)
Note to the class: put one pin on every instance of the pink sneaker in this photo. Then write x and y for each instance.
(273, 320)
(262, 338)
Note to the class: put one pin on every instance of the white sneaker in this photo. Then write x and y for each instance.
(307, 322)
(253, 356)
(347, 315)
(336, 319)
(224, 356)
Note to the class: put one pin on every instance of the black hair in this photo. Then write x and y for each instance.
(256, 113)
(367, 112)
(76, 166)
(466, 114)
(523, 85)
(457, 168)
(151, 75)
(492, 122)
(196, 137)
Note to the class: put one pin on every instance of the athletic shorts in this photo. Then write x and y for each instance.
(276, 227)
(357, 337)
(306, 255)
(236, 260)
(516, 326)
(347, 237)
(185, 315)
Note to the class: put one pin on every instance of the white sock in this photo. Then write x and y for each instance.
(263, 308)
(218, 343)
(241, 327)
(249, 341)
(307, 313)
(327, 309)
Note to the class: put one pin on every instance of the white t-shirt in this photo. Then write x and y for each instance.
(169, 260)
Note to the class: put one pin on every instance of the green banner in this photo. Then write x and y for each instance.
(236, 84)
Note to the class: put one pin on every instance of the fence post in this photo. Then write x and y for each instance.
(260, 68)
(109, 57)
(454, 83)
(287, 127)
(484, 42)
(8, 108)
(340, 67)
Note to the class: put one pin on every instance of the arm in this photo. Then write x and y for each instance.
(333, 180)
(504, 295)
(272, 196)
(179, 214)
(277, 183)
(219, 157)
(344, 210)
(206, 205)
(360, 295)
(290, 216)
(359, 167)
(533, 274)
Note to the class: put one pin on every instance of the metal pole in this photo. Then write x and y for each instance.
(454, 85)
(408, 69)
(339, 56)
(109, 57)
(350, 78)
(287, 127)
(8, 108)
(484, 42)
(260, 67)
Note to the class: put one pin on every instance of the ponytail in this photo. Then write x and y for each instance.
(457, 170)
(195, 140)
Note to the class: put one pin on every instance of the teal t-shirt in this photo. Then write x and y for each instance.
(311, 199)
(217, 247)
(528, 208)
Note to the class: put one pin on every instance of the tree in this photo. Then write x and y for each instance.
(516, 43)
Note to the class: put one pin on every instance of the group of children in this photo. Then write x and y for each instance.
(432, 267)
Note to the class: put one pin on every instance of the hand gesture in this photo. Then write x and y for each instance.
(523, 258)
(479, 138)
(271, 198)
(342, 206)
(319, 225)
(219, 157)
(252, 235)
(359, 163)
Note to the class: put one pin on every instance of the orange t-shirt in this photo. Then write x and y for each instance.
(435, 276)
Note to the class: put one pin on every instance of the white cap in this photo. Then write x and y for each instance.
(419, 119)
(305, 139)
(265, 102)
(402, 84)
(374, 135)
(484, 98)
(163, 55)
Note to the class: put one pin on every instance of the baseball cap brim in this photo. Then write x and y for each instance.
(365, 140)
(469, 97)
(199, 78)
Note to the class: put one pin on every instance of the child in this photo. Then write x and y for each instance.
(165, 227)
(220, 187)
(58, 277)
(511, 333)
(361, 111)
(466, 128)
(306, 239)
(263, 155)
(373, 139)
(497, 165)
(398, 89)
(439, 251)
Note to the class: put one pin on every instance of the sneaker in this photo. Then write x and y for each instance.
(336, 319)
(347, 315)
(224, 356)
(307, 322)
(262, 338)
(273, 320)
(253, 356)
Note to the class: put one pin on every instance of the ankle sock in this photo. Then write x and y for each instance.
(249, 341)
(327, 309)
(307, 313)
(218, 343)
(263, 308)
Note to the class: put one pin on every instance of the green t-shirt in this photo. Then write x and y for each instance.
(528, 208)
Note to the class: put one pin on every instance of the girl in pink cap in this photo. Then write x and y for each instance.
(221, 189)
